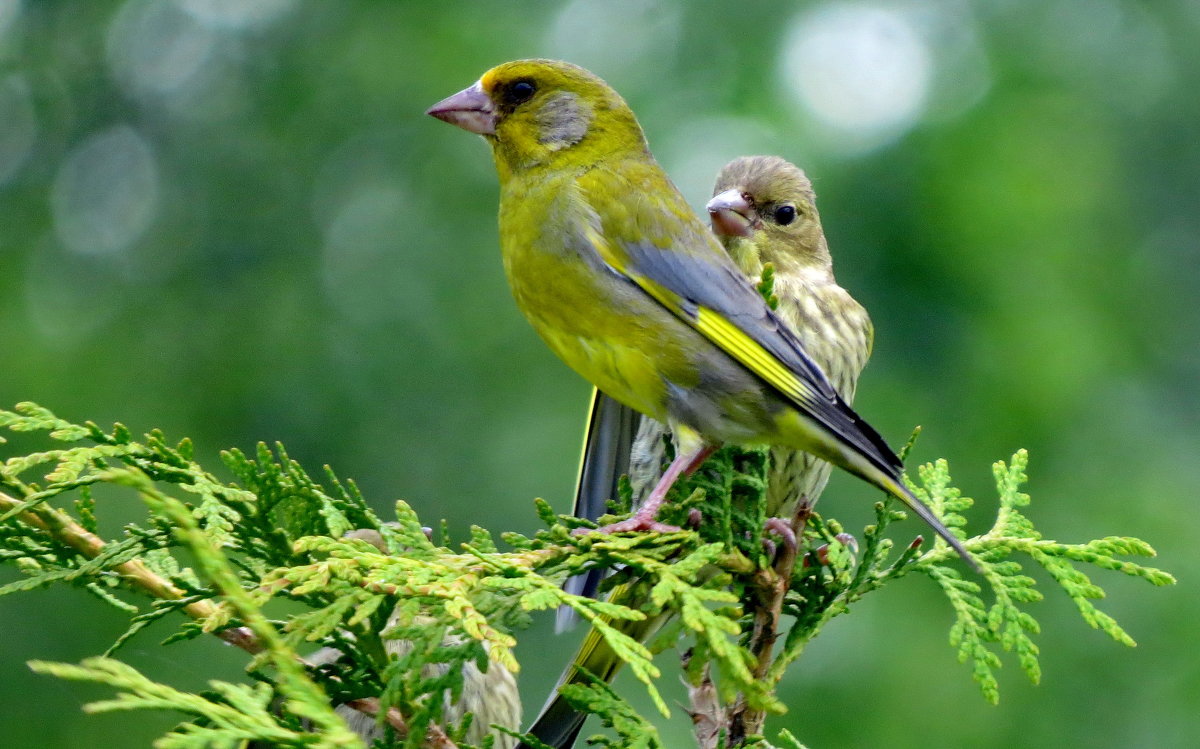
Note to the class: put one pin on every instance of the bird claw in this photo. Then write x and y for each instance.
(783, 530)
(845, 539)
(849, 541)
(370, 535)
(638, 522)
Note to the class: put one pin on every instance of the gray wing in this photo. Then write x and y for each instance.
(711, 280)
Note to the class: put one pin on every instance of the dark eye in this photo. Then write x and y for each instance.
(520, 92)
(785, 214)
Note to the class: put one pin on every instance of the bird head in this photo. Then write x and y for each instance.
(544, 113)
(764, 210)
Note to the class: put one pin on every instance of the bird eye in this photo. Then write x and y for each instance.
(785, 214)
(520, 92)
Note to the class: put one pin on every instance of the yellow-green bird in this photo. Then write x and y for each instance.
(763, 210)
(630, 289)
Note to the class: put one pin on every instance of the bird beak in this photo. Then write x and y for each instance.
(471, 109)
(731, 214)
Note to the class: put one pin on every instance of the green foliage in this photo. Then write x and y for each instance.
(276, 535)
(387, 620)
(598, 698)
(766, 286)
(979, 628)
(228, 716)
(980, 631)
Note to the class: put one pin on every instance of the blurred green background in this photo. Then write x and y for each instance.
(230, 219)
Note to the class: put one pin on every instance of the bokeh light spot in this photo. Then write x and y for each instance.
(9, 11)
(18, 125)
(617, 37)
(862, 71)
(363, 271)
(1118, 49)
(69, 297)
(962, 71)
(699, 148)
(237, 14)
(155, 48)
(106, 193)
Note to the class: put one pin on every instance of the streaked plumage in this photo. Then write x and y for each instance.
(835, 329)
(764, 211)
(490, 697)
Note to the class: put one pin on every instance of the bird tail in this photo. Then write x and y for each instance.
(836, 433)
(607, 444)
(558, 724)
(889, 479)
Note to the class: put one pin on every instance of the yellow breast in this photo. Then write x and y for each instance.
(596, 321)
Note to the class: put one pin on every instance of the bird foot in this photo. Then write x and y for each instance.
(845, 539)
(848, 541)
(638, 522)
(782, 529)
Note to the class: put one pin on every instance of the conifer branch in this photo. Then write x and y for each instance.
(401, 620)
(64, 529)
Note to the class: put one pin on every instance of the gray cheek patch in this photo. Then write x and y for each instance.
(563, 120)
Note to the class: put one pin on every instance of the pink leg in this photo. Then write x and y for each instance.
(643, 520)
(783, 530)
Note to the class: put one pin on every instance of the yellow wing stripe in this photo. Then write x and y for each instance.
(715, 327)
(751, 354)
(587, 437)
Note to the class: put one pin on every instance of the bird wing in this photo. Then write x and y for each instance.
(682, 267)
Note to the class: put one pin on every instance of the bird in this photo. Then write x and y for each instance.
(763, 210)
(630, 289)
(492, 697)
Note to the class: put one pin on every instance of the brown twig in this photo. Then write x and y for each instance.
(771, 586)
(435, 736)
(63, 527)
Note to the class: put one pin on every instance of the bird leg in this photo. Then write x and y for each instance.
(684, 464)
(783, 529)
(845, 539)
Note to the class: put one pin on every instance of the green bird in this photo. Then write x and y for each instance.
(630, 289)
(627, 286)
(763, 210)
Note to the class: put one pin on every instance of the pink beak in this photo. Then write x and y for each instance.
(471, 109)
(731, 214)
